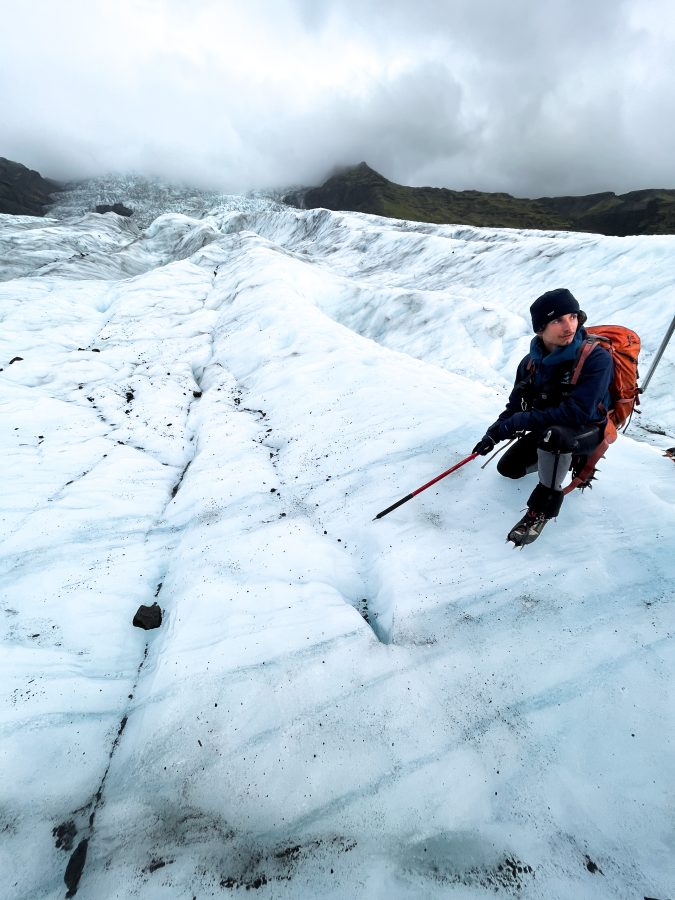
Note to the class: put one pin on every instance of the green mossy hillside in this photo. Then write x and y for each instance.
(361, 189)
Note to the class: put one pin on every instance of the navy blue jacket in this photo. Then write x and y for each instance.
(542, 395)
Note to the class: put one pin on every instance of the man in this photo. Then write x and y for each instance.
(557, 424)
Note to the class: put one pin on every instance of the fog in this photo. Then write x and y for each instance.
(526, 97)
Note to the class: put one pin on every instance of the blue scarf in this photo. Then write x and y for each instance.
(545, 365)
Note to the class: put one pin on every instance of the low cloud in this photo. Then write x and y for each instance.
(525, 97)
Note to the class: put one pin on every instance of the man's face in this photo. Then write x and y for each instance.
(560, 332)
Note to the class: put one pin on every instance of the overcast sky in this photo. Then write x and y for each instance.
(533, 97)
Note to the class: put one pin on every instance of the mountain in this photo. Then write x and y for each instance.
(24, 192)
(638, 212)
(207, 412)
(361, 189)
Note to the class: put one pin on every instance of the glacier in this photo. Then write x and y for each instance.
(205, 406)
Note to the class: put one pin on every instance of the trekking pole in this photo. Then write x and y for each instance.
(497, 452)
(424, 487)
(659, 354)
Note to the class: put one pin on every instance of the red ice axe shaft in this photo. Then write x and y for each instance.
(425, 486)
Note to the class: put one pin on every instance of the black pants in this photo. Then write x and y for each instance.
(550, 452)
(522, 457)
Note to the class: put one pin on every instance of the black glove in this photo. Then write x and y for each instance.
(484, 445)
(488, 441)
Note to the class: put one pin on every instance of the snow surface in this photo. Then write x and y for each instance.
(209, 412)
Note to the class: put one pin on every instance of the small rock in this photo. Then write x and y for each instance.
(75, 867)
(148, 617)
(65, 835)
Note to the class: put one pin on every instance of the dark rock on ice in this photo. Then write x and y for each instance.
(118, 208)
(148, 617)
(65, 835)
(75, 867)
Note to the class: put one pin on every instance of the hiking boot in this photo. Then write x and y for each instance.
(546, 500)
(527, 529)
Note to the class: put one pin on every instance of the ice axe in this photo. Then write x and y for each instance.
(501, 450)
(425, 486)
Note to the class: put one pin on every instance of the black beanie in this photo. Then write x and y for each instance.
(552, 305)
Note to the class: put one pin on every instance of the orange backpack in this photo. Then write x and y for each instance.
(624, 347)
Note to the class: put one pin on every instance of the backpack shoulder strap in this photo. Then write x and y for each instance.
(586, 349)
